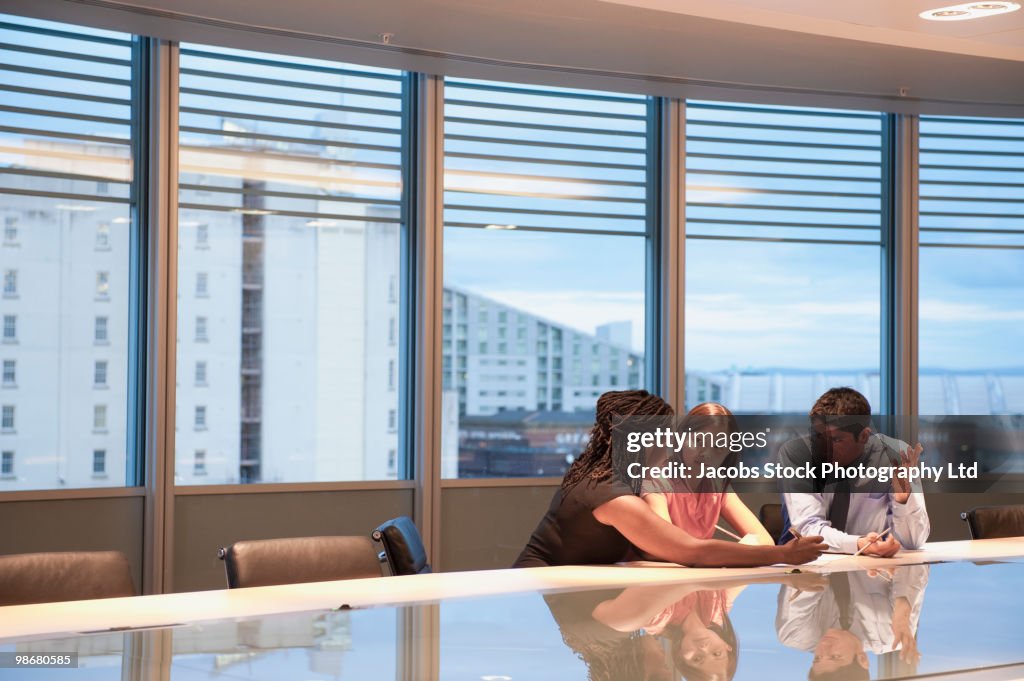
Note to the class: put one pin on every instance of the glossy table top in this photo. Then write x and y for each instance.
(885, 619)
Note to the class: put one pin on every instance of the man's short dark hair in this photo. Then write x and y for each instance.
(843, 402)
(851, 672)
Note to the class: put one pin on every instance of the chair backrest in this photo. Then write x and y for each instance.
(770, 516)
(65, 576)
(403, 546)
(265, 562)
(993, 522)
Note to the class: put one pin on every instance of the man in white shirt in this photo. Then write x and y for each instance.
(874, 611)
(853, 514)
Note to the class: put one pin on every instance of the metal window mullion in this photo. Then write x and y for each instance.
(422, 257)
(900, 269)
(160, 222)
(669, 192)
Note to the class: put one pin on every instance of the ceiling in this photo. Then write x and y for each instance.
(893, 22)
(844, 48)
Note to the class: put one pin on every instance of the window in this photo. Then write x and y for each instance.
(99, 417)
(201, 329)
(10, 230)
(103, 285)
(10, 328)
(7, 419)
(200, 373)
(100, 330)
(10, 283)
(99, 374)
(783, 243)
(7, 464)
(392, 420)
(103, 236)
(10, 373)
(199, 462)
(971, 262)
(535, 170)
(199, 422)
(99, 462)
(326, 195)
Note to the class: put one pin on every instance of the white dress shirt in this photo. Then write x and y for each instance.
(871, 509)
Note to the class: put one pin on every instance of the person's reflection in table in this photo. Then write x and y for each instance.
(873, 611)
(654, 633)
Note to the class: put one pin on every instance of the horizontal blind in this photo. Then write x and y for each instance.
(65, 112)
(972, 183)
(544, 159)
(780, 174)
(313, 139)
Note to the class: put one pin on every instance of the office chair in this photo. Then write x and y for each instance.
(993, 522)
(403, 547)
(770, 516)
(266, 562)
(65, 576)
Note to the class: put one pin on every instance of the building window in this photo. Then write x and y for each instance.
(103, 236)
(85, 74)
(10, 230)
(103, 285)
(392, 420)
(392, 331)
(99, 462)
(100, 330)
(200, 418)
(391, 374)
(99, 417)
(7, 418)
(261, 320)
(7, 464)
(392, 460)
(10, 375)
(99, 374)
(199, 462)
(202, 235)
(10, 283)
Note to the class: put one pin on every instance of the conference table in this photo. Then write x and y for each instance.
(953, 610)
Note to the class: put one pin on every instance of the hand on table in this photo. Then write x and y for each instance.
(882, 548)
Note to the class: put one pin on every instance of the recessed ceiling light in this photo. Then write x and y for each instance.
(969, 11)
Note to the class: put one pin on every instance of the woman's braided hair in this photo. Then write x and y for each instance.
(595, 462)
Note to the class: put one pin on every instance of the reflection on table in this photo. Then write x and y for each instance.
(881, 623)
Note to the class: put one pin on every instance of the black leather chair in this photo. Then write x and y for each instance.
(265, 562)
(403, 546)
(993, 522)
(65, 576)
(770, 516)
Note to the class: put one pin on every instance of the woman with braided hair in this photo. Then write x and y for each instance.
(596, 517)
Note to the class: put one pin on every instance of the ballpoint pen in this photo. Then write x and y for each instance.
(879, 537)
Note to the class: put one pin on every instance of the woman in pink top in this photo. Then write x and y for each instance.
(697, 510)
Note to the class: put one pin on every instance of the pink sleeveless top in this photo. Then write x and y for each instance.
(694, 512)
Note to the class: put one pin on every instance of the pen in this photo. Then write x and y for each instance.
(731, 534)
(881, 536)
